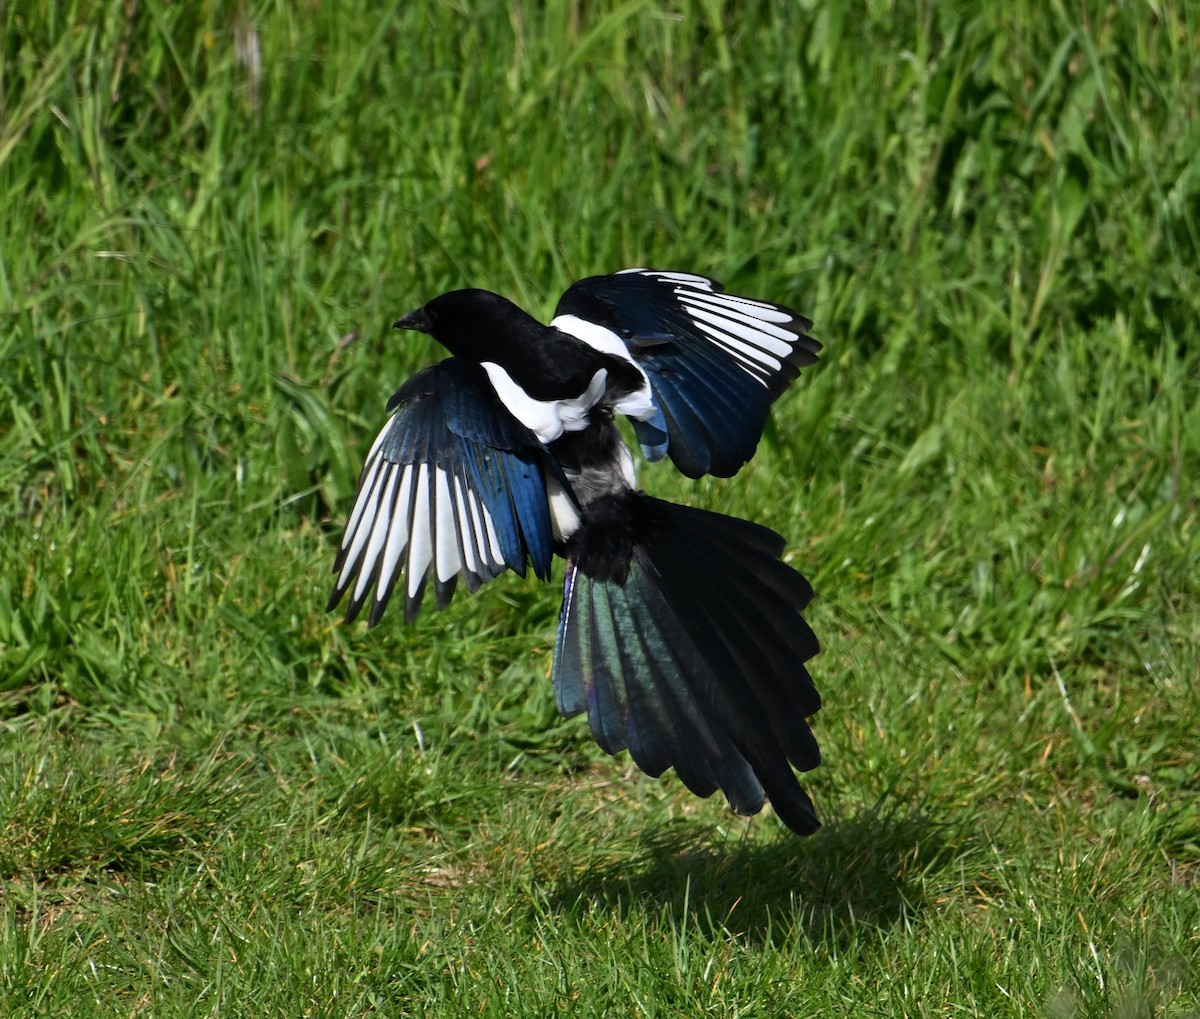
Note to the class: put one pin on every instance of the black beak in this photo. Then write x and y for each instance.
(418, 320)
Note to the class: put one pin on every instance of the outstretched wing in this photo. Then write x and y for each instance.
(715, 361)
(453, 486)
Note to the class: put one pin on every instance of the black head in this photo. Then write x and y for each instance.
(470, 323)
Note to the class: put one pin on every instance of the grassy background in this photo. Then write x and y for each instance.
(216, 800)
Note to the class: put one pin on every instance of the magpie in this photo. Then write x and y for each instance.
(681, 632)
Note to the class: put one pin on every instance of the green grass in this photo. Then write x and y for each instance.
(216, 800)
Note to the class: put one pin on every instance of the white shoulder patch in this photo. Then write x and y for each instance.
(547, 419)
(639, 404)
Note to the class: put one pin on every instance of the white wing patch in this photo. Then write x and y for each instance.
(754, 333)
(691, 279)
(416, 519)
(639, 404)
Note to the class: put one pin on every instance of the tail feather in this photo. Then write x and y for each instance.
(750, 629)
(759, 664)
(615, 672)
(642, 718)
(682, 638)
(746, 695)
(705, 756)
(767, 638)
(628, 681)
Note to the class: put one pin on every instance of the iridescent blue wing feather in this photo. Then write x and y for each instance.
(715, 361)
(453, 486)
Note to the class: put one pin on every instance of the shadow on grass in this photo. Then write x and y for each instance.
(866, 871)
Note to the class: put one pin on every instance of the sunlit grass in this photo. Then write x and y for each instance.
(218, 800)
